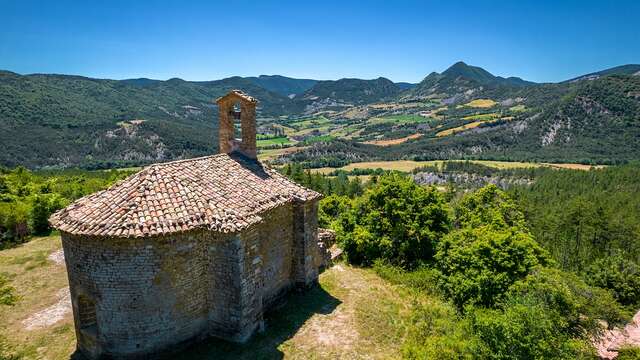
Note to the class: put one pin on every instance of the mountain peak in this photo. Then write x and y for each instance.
(461, 69)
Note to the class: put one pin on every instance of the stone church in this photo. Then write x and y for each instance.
(188, 249)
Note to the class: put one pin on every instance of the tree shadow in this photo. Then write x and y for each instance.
(281, 324)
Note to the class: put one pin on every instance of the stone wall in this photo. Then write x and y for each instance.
(153, 293)
(306, 252)
(276, 252)
(148, 292)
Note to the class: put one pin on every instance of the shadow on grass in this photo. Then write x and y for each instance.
(281, 324)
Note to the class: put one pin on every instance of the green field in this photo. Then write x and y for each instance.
(398, 119)
(283, 140)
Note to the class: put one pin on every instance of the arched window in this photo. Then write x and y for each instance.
(236, 112)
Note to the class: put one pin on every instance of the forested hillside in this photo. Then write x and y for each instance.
(56, 120)
(463, 112)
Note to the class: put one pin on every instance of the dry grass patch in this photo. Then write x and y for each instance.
(575, 166)
(480, 103)
(389, 142)
(464, 127)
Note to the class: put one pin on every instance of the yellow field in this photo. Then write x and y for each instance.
(483, 117)
(389, 142)
(575, 166)
(464, 127)
(409, 165)
(480, 103)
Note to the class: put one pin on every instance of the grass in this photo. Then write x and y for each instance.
(518, 108)
(320, 138)
(480, 103)
(282, 140)
(270, 154)
(37, 281)
(312, 122)
(354, 313)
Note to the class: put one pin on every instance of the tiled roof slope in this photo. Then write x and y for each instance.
(223, 192)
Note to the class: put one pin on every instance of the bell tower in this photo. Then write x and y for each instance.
(233, 107)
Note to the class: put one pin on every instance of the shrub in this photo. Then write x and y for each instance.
(331, 208)
(488, 206)
(618, 274)
(7, 292)
(525, 328)
(396, 220)
(478, 265)
(629, 353)
(580, 305)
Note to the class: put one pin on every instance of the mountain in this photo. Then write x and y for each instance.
(346, 92)
(594, 121)
(283, 85)
(629, 69)
(406, 85)
(60, 120)
(460, 81)
(64, 121)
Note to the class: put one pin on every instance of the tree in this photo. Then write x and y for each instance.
(478, 265)
(618, 274)
(395, 220)
(39, 215)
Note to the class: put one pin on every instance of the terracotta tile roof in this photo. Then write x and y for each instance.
(223, 192)
(238, 94)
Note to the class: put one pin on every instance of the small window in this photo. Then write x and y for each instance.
(86, 312)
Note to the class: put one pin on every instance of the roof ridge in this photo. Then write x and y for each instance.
(182, 160)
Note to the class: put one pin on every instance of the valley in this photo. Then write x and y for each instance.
(57, 121)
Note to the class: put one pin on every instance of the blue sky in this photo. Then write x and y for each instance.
(401, 40)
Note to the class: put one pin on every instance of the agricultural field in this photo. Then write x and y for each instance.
(480, 103)
(282, 140)
(384, 124)
(409, 165)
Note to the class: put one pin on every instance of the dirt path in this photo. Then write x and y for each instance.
(56, 312)
(51, 315)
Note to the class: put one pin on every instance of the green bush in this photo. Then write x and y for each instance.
(7, 292)
(525, 328)
(331, 208)
(580, 305)
(478, 265)
(395, 220)
(488, 206)
(618, 274)
(629, 353)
